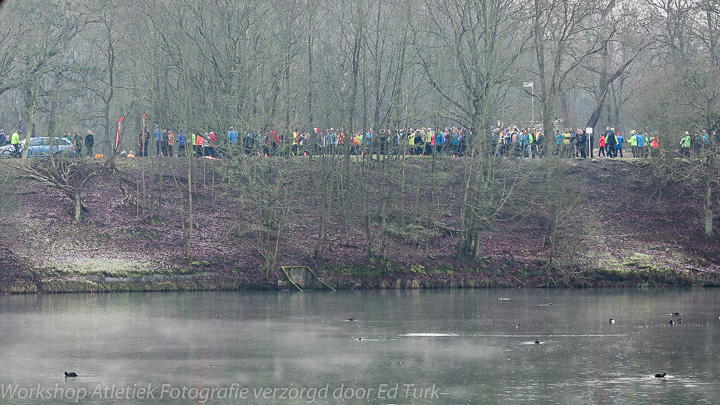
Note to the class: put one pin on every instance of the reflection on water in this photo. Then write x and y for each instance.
(420, 347)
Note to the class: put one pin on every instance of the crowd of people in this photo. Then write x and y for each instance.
(453, 141)
(423, 141)
(571, 143)
(510, 142)
(88, 142)
(695, 143)
(577, 143)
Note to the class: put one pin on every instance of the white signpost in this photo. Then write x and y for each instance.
(588, 132)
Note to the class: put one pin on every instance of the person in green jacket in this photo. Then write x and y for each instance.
(685, 144)
(15, 142)
(411, 142)
(633, 143)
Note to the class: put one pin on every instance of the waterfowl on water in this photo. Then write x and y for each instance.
(517, 325)
(672, 322)
(70, 374)
(675, 314)
(679, 320)
(612, 321)
(660, 375)
(360, 338)
(351, 319)
(537, 342)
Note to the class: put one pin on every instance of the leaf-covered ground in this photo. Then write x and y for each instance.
(620, 223)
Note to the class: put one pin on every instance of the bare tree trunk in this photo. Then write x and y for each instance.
(54, 104)
(708, 208)
(78, 206)
(310, 40)
(710, 171)
(189, 154)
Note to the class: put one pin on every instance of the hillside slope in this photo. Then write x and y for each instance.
(618, 222)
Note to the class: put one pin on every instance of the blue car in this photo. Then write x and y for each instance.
(40, 147)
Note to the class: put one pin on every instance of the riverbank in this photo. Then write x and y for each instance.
(581, 279)
(617, 222)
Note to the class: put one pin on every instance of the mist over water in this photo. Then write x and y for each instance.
(403, 346)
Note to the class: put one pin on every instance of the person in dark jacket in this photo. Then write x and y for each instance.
(78, 141)
(581, 143)
(611, 144)
(89, 142)
(141, 145)
(143, 142)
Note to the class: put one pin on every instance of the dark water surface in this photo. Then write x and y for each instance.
(417, 347)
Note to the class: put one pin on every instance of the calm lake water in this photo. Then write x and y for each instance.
(417, 347)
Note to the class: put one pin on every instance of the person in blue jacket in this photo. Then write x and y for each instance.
(182, 141)
(640, 144)
(232, 136)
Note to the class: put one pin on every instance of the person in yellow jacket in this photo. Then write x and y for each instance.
(15, 142)
(411, 142)
(530, 141)
(194, 143)
(567, 145)
(295, 146)
(538, 142)
(633, 143)
(429, 146)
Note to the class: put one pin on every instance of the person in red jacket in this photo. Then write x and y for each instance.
(212, 140)
(199, 145)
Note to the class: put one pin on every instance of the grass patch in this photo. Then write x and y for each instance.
(370, 271)
(18, 288)
(100, 267)
(645, 278)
